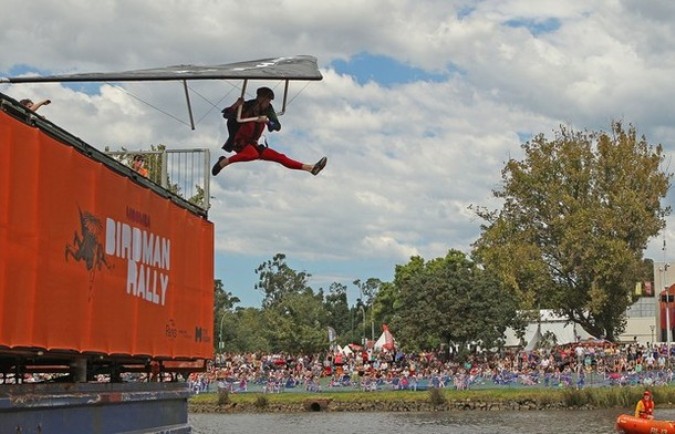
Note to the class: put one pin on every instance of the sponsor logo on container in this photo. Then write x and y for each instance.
(86, 246)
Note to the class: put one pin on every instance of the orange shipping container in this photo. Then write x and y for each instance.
(92, 261)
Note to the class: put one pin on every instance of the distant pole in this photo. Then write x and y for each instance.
(372, 324)
(665, 286)
(665, 272)
(363, 311)
(221, 344)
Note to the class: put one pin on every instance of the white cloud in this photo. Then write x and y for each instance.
(405, 161)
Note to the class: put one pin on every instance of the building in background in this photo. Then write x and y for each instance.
(646, 318)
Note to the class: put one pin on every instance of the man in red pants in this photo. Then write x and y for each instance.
(246, 135)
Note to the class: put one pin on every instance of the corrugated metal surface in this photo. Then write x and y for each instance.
(94, 408)
(94, 260)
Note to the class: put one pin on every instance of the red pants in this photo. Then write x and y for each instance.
(251, 152)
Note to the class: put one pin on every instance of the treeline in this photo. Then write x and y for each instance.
(442, 301)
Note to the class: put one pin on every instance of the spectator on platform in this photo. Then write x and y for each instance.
(139, 165)
(34, 106)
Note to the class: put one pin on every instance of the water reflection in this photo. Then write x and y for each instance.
(461, 422)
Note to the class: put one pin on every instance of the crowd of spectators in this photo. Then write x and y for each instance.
(584, 364)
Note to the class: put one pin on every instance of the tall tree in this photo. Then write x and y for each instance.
(245, 331)
(450, 300)
(277, 279)
(577, 214)
(297, 323)
(385, 303)
(294, 316)
(337, 308)
(368, 289)
(367, 293)
(223, 302)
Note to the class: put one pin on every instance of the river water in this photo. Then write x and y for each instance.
(453, 422)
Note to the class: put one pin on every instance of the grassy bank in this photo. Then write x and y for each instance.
(599, 397)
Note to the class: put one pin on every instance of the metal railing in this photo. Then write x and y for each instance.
(184, 172)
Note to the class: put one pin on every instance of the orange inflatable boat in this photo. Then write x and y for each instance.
(628, 424)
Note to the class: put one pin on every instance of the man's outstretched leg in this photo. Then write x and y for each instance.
(270, 154)
(250, 153)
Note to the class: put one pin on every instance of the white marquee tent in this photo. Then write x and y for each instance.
(564, 331)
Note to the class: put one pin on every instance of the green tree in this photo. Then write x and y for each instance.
(577, 214)
(277, 280)
(450, 300)
(294, 317)
(198, 198)
(385, 303)
(223, 302)
(337, 309)
(368, 289)
(368, 292)
(296, 323)
(245, 331)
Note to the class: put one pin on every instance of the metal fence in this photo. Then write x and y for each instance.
(184, 172)
(503, 380)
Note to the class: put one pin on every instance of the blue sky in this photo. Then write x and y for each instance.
(536, 27)
(421, 104)
(383, 70)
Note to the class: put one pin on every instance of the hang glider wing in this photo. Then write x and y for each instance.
(294, 68)
(280, 68)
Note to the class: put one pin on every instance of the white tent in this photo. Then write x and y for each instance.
(534, 341)
(345, 350)
(386, 341)
(564, 331)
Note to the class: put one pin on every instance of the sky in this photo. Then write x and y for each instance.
(421, 104)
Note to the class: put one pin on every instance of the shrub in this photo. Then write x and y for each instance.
(261, 402)
(436, 397)
(224, 397)
(573, 398)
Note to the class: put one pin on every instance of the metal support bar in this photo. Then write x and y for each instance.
(80, 370)
(187, 98)
(207, 179)
(241, 106)
(283, 104)
(243, 88)
(164, 177)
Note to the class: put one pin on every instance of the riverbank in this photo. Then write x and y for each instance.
(517, 399)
